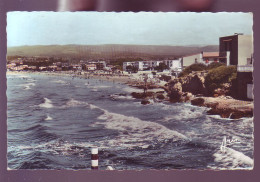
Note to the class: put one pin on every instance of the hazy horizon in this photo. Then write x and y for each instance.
(127, 28)
(194, 45)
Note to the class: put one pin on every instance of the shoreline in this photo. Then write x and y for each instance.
(225, 107)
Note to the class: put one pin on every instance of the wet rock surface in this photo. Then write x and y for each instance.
(226, 107)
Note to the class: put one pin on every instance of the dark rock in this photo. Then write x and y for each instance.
(160, 92)
(160, 96)
(137, 95)
(149, 94)
(241, 114)
(174, 96)
(144, 102)
(142, 95)
(198, 102)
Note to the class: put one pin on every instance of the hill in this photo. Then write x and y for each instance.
(108, 51)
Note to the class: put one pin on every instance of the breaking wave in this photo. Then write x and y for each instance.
(27, 86)
(136, 132)
(47, 103)
(232, 159)
(48, 118)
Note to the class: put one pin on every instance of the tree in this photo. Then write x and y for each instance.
(161, 67)
(131, 68)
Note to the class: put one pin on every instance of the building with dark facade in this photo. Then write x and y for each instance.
(237, 50)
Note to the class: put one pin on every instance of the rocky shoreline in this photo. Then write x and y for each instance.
(226, 107)
(192, 90)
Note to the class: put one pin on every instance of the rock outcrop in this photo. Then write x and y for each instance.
(183, 89)
(226, 107)
(192, 88)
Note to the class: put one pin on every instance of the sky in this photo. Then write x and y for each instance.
(144, 28)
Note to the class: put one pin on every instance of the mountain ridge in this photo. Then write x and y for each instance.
(109, 51)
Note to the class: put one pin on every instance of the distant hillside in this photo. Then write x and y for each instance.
(108, 51)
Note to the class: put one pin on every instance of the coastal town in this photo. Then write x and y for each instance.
(234, 50)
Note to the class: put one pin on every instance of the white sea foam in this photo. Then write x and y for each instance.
(56, 147)
(103, 86)
(232, 159)
(59, 81)
(117, 96)
(133, 131)
(132, 89)
(136, 132)
(97, 86)
(27, 86)
(23, 76)
(47, 103)
(74, 103)
(48, 118)
(183, 112)
(220, 118)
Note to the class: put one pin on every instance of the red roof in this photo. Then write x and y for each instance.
(210, 54)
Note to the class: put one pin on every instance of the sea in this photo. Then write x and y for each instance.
(54, 121)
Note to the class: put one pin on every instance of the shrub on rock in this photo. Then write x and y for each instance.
(193, 67)
(216, 78)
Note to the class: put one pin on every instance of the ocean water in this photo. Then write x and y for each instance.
(53, 121)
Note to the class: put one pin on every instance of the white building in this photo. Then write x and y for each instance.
(174, 64)
(143, 65)
(191, 59)
(203, 57)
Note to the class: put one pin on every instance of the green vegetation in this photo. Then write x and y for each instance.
(131, 68)
(193, 67)
(200, 67)
(218, 76)
(215, 65)
(161, 67)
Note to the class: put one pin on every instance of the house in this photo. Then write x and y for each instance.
(237, 50)
(43, 68)
(100, 65)
(203, 57)
(191, 59)
(11, 66)
(91, 67)
(245, 82)
(142, 65)
(210, 57)
(174, 64)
